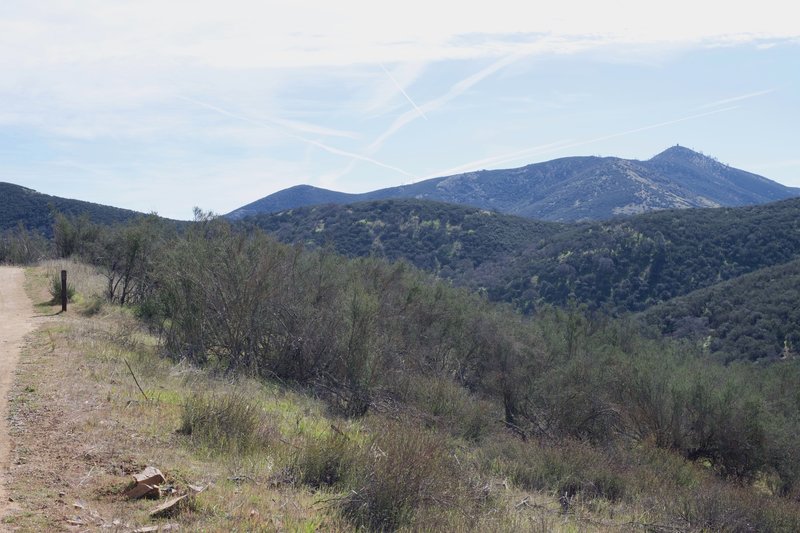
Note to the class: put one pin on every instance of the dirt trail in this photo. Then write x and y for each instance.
(16, 321)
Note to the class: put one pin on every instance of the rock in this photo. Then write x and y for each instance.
(150, 475)
(146, 483)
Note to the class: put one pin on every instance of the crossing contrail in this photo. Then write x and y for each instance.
(400, 88)
(323, 146)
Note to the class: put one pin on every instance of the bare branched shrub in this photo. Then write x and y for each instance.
(713, 506)
(408, 470)
(21, 246)
(448, 406)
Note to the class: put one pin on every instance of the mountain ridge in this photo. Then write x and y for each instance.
(34, 210)
(567, 189)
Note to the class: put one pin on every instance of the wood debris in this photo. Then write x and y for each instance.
(171, 506)
(150, 529)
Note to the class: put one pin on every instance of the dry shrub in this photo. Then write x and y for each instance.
(717, 507)
(330, 461)
(408, 469)
(569, 468)
(85, 279)
(93, 306)
(653, 474)
(449, 406)
(56, 290)
(225, 421)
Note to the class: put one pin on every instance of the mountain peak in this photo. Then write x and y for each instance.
(678, 152)
(571, 188)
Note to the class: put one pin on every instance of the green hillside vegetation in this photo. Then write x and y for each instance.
(631, 264)
(456, 391)
(753, 316)
(621, 265)
(446, 239)
(34, 210)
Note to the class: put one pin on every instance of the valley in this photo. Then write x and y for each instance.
(632, 372)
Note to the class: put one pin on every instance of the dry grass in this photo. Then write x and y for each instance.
(81, 426)
(86, 279)
(274, 459)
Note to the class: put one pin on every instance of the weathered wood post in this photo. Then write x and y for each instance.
(63, 291)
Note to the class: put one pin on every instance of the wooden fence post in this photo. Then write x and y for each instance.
(63, 291)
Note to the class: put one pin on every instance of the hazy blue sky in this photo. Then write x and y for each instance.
(165, 105)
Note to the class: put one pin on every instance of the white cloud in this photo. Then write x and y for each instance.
(432, 105)
(250, 34)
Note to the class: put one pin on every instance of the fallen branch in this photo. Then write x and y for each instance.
(136, 380)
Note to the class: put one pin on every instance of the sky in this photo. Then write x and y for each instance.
(165, 106)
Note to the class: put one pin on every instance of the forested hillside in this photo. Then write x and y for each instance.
(621, 265)
(753, 316)
(446, 239)
(34, 210)
(434, 394)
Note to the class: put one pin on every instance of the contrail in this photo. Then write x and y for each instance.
(560, 145)
(502, 158)
(455, 90)
(736, 98)
(312, 142)
(399, 88)
(295, 125)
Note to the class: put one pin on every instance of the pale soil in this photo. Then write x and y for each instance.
(16, 321)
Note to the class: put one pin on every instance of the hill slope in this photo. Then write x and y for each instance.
(568, 189)
(446, 239)
(34, 210)
(754, 316)
(623, 265)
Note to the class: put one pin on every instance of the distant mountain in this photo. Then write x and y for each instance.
(622, 265)
(293, 197)
(34, 210)
(568, 189)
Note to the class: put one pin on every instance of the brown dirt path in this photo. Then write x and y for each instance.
(16, 321)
